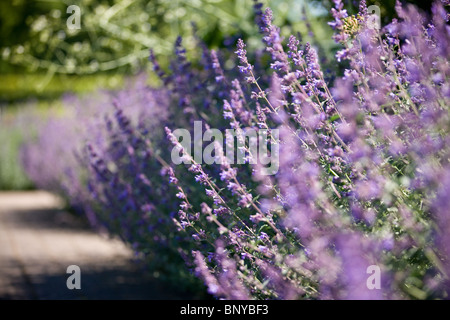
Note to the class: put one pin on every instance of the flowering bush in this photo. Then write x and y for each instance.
(363, 179)
(95, 155)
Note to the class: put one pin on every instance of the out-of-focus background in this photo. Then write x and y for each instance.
(41, 60)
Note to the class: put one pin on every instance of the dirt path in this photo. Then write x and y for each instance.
(38, 241)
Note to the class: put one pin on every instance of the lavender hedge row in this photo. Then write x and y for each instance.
(363, 181)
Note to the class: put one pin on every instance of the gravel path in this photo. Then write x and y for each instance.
(38, 241)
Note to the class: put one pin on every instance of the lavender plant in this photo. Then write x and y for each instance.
(352, 191)
(97, 154)
(363, 179)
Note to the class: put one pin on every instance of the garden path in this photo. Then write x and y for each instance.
(39, 240)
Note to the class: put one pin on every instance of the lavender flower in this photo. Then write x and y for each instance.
(245, 67)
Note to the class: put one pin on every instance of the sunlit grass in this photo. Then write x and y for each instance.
(28, 85)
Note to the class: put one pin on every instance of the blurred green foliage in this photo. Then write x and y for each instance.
(12, 134)
(116, 35)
